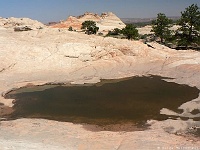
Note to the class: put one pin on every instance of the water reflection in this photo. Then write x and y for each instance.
(135, 100)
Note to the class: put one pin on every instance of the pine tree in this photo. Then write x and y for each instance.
(130, 32)
(161, 27)
(189, 32)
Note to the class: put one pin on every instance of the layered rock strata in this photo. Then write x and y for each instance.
(107, 21)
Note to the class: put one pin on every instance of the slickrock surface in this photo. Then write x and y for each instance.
(105, 22)
(42, 134)
(145, 30)
(18, 22)
(58, 56)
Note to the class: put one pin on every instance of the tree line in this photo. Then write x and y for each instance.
(187, 35)
(188, 32)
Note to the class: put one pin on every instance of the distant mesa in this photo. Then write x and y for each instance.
(106, 21)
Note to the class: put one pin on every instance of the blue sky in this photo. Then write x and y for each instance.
(55, 10)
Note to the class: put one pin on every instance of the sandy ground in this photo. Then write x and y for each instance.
(59, 56)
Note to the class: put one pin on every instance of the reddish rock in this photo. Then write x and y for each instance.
(107, 21)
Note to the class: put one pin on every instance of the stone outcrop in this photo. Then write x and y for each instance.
(70, 22)
(107, 21)
(110, 21)
(20, 22)
(89, 16)
(23, 28)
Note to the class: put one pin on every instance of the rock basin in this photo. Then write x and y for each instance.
(107, 104)
(41, 57)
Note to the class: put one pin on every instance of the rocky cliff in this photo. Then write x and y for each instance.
(106, 21)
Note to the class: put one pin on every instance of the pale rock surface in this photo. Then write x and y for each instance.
(145, 30)
(109, 21)
(50, 135)
(89, 16)
(20, 22)
(53, 55)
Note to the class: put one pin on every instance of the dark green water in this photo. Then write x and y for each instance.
(135, 100)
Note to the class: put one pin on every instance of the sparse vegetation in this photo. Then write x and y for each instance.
(100, 34)
(186, 36)
(115, 31)
(70, 29)
(130, 32)
(89, 27)
(161, 26)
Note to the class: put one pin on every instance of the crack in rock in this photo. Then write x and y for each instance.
(9, 67)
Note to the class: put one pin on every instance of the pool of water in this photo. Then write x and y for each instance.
(132, 100)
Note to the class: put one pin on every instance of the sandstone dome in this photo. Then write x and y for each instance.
(106, 21)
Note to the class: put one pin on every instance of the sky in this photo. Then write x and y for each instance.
(56, 10)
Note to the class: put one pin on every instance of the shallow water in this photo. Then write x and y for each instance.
(134, 100)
